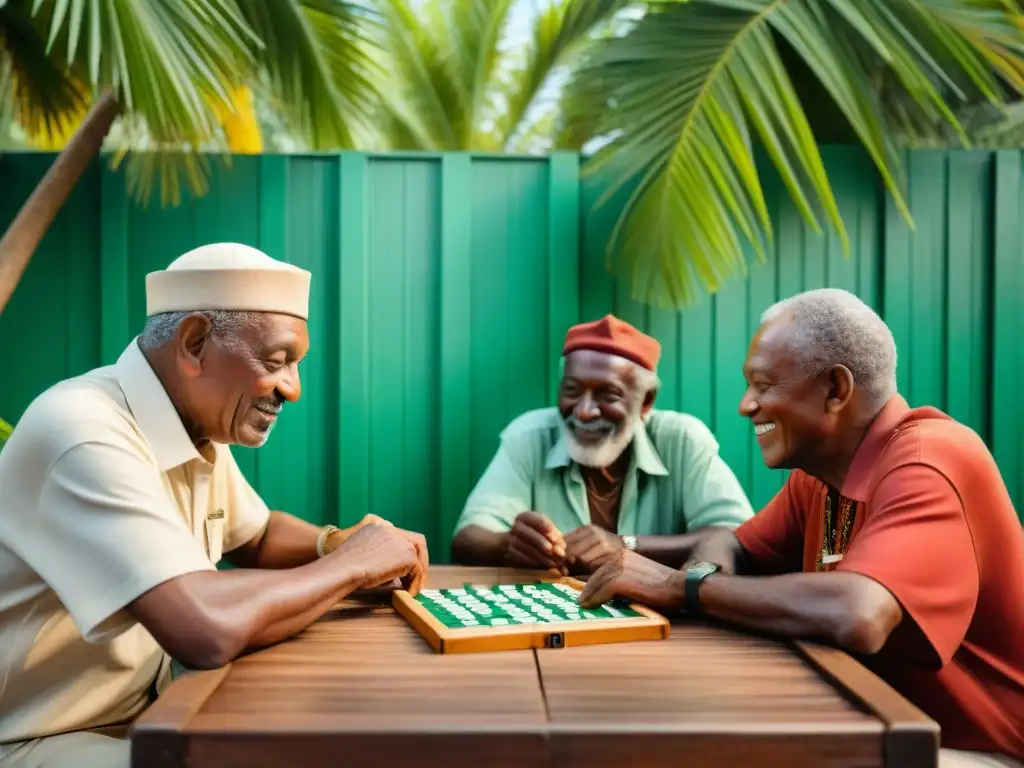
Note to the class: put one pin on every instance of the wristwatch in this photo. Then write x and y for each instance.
(695, 574)
(629, 542)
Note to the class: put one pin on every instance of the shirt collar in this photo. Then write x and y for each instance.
(153, 410)
(862, 468)
(645, 455)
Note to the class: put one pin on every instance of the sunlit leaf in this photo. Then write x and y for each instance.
(698, 89)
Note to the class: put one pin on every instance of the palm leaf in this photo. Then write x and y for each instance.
(693, 93)
(185, 72)
(37, 90)
(421, 98)
(316, 66)
(561, 28)
(440, 67)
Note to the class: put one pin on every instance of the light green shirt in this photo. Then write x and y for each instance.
(676, 482)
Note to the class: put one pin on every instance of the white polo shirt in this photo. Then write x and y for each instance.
(103, 496)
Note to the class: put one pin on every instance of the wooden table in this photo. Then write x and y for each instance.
(362, 688)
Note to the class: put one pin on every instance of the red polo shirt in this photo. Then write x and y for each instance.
(934, 525)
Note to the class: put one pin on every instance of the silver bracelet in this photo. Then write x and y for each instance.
(322, 539)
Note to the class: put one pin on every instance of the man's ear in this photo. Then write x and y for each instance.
(840, 388)
(648, 403)
(191, 343)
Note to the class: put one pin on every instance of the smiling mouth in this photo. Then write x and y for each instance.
(590, 436)
(763, 429)
(268, 413)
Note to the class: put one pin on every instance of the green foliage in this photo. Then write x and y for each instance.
(5, 431)
(176, 66)
(697, 87)
(452, 81)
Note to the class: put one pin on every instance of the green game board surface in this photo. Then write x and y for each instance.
(513, 604)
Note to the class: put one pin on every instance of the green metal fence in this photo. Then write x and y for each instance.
(443, 285)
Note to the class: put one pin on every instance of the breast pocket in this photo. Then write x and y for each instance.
(215, 536)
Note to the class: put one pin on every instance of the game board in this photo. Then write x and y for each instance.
(544, 614)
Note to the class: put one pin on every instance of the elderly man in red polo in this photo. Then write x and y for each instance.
(604, 471)
(894, 537)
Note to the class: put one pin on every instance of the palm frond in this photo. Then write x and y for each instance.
(38, 89)
(698, 88)
(560, 28)
(421, 95)
(472, 30)
(316, 66)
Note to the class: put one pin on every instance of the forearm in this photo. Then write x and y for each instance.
(285, 542)
(229, 613)
(672, 551)
(720, 546)
(476, 545)
(831, 607)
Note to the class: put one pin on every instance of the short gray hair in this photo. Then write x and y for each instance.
(834, 327)
(160, 329)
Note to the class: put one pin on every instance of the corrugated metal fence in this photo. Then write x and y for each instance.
(443, 286)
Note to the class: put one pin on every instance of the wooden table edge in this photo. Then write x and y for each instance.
(912, 738)
(159, 734)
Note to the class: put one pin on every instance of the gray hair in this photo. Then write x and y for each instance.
(160, 329)
(834, 327)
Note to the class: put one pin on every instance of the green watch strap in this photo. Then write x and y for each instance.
(695, 575)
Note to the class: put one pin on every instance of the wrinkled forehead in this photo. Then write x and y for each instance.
(593, 368)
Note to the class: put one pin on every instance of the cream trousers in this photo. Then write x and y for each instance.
(68, 750)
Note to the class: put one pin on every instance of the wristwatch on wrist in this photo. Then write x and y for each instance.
(629, 542)
(695, 574)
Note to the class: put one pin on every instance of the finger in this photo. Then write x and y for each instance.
(543, 526)
(415, 579)
(600, 587)
(422, 551)
(579, 539)
(530, 537)
(529, 556)
(594, 556)
(575, 537)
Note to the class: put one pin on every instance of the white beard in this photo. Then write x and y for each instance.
(605, 453)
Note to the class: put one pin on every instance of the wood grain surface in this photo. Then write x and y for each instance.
(363, 688)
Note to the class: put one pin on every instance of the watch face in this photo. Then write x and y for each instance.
(703, 568)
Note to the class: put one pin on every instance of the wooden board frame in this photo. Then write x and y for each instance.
(562, 634)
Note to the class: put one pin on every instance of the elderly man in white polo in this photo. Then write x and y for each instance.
(120, 495)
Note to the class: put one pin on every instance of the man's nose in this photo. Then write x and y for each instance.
(586, 409)
(290, 387)
(748, 404)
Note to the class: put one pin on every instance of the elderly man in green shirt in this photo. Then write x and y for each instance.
(572, 485)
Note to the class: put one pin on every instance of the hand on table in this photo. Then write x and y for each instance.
(591, 546)
(535, 542)
(635, 577)
(385, 553)
(336, 538)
